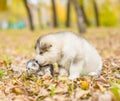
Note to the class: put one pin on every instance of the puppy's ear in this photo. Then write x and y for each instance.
(37, 44)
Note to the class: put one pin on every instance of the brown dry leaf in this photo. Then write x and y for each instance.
(117, 75)
(80, 93)
(5, 63)
(43, 93)
(16, 81)
(60, 98)
(1, 64)
(20, 98)
(47, 99)
(18, 90)
(61, 88)
(47, 76)
(107, 96)
(17, 71)
(2, 96)
(102, 81)
(100, 87)
(8, 89)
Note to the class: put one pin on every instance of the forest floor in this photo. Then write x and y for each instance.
(17, 46)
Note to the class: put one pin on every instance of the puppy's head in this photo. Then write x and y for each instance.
(47, 50)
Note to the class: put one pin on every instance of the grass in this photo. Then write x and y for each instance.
(52, 91)
(115, 89)
(1, 73)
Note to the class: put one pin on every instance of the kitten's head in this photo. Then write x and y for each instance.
(32, 67)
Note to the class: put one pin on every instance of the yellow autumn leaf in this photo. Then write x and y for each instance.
(18, 90)
(84, 85)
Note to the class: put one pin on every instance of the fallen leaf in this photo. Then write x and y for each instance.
(17, 70)
(18, 90)
(84, 85)
(47, 76)
(20, 98)
(80, 93)
(117, 75)
(106, 96)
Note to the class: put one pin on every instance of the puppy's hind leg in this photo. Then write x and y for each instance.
(75, 70)
(63, 72)
(65, 66)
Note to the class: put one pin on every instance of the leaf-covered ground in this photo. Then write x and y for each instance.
(17, 46)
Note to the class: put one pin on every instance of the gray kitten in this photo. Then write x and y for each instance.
(33, 68)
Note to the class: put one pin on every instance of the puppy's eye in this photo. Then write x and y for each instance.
(41, 53)
(50, 45)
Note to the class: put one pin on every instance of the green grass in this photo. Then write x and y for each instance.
(52, 91)
(1, 73)
(115, 89)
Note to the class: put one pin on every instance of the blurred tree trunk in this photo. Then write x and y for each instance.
(68, 14)
(54, 14)
(3, 5)
(96, 13)
(29, 15)
(80, 19)
(39, 17)
(81, 3)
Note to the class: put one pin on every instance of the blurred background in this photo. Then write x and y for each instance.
(23, 21)
(47, 14)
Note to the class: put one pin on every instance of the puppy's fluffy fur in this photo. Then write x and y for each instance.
(72, 52)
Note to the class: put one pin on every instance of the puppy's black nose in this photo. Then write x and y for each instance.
(36, 61)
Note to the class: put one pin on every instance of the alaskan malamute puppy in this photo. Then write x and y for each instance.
(71, 51)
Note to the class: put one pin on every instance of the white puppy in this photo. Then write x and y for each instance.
(72, 52)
